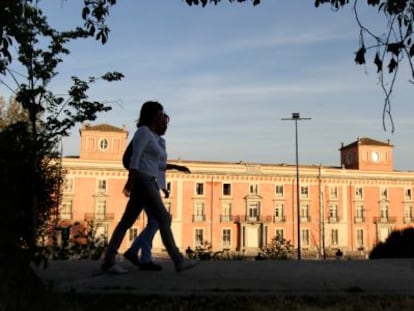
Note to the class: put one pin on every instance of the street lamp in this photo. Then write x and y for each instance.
(296, 117)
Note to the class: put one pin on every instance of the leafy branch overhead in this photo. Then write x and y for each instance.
(205, 2)
(390, 48)
(39, 49)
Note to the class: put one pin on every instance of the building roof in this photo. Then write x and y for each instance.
(102, 128)
(366, 141)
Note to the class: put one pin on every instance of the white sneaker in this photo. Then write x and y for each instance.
(117, 269)
(186, 264)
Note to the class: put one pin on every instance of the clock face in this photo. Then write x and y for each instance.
(103, 144)
(375, 156)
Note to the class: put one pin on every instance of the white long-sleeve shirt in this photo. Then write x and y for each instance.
(149, 154)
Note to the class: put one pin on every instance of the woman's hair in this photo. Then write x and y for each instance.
(149, 110)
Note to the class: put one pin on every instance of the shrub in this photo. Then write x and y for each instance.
(279, 248)
(399, 244)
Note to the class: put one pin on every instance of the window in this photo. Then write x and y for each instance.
(102, 185)
(408, 194)
(169, 187)
(279, 210)
(279, 191)
(103, 144)
(199, 237)
(226, 238)
(304, 237)
(100, 209)
(199, 188)
(226, 189)
(360, 237)
(407, 213)
(333, 192)
(333, 211)
(384, 193)
(253, 188)
(66, 210)
(359, 211)
(132, 234)
(334, 237)
(253, 211)
(199, 212)
(304, 212)
(358, 193)
(304, 191)
(68, 185)
(384, 211)
(279, 234)
(279, 213)
(226, 211)
(199, 208)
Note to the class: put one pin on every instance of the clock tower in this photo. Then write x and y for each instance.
(367, 154)
(102, 142)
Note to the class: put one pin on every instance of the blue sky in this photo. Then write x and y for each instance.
(227, 74)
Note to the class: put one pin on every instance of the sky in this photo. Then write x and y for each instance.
(228, 74)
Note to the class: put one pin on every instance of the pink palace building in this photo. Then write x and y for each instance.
(242, 206)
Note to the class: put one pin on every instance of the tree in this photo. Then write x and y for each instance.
(29, 174)
(388, 49)
(11, 112)
(399, 244)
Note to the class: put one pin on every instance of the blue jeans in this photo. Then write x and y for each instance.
(145, 194)
(143, 241)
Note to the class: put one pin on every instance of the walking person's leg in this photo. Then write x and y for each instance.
(143, 242)
(131, 213)
(156, 209)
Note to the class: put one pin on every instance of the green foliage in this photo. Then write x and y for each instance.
(279, 248)
(390, 47)
(27, 166)
(28, 180)
(204, 252)
(27, 195)
(204, 2)
(30, 176)
(11, 112)
(85, 244)
(399, 244)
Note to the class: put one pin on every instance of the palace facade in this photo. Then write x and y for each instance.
(243, 206)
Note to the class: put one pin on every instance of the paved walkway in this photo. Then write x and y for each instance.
(385, 276)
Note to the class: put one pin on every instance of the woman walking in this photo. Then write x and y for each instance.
(148, 158)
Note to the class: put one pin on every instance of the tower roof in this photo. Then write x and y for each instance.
(366, 141)
(102, 128)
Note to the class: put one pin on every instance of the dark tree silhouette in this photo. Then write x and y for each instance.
(399, 244)
(29, 173)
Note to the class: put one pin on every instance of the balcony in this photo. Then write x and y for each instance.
(384, 220)
(279, 218)
(252, 219)
(66, 216)
(359, 219)
(226, 218)
(199, 218)
(333, 219)
(408, 220)
(305, 218)
(99, 216)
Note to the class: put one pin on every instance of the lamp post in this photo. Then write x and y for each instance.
(296, 117)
